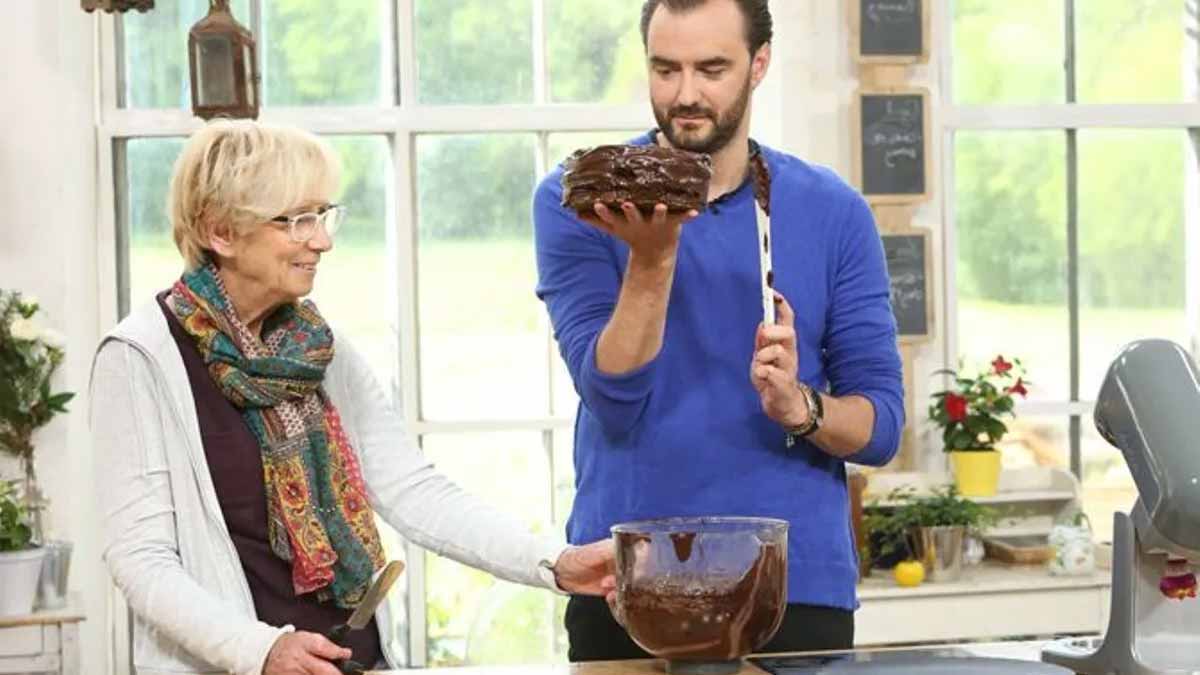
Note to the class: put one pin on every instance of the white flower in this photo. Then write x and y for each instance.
(53, 338)
(30, 301)
(25, 329)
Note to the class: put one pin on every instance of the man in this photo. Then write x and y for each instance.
(687, 409)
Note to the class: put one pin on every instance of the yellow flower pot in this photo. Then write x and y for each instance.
(976, 473)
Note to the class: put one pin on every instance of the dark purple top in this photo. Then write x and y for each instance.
(235, 462)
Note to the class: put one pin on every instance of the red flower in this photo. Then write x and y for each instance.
(1018, 388)
(1179, 586)
(1001, 366)
(956, 407)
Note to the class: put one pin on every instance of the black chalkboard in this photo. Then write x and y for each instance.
(893, 156)
(908, 270)
(891, 28)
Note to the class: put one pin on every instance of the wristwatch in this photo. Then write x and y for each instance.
(816, 415)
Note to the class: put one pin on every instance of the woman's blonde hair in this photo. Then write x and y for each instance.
(233, 175)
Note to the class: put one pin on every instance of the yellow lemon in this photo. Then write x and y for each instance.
(909, 573)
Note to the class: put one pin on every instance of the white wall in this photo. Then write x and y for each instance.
(47, 248)
(48, 240)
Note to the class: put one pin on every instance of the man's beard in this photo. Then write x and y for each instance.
(725, 126)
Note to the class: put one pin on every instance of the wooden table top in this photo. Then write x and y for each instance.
(1027, 651)
(69, 614)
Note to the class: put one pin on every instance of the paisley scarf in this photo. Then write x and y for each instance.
(318, 515)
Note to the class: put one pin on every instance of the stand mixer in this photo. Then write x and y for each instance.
(1149, 408)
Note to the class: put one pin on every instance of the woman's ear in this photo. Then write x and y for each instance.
(220, 240)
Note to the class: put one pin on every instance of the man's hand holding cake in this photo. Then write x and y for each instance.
(641, 195)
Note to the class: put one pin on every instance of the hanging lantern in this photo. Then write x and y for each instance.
(118, 5)
(222, 64)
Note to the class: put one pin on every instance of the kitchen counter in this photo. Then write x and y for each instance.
(987, 577)
(989, 602)
(1024, 651)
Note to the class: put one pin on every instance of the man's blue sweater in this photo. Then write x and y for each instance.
(685, 435)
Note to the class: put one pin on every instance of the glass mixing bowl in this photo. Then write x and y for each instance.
(701, 592)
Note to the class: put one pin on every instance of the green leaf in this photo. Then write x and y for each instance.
(961, 440)
(996, 429)
(948, 434)
(57, 401)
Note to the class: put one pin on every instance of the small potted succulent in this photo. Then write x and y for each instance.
(927, 528)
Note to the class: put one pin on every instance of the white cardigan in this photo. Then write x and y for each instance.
(166, 543)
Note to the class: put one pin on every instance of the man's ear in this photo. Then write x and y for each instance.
(760, 63)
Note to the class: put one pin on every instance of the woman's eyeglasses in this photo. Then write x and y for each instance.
(303, 226)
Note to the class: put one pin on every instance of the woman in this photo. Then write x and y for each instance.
(244, 445)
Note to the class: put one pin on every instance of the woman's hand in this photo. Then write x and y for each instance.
(587, 570)
(302, 653)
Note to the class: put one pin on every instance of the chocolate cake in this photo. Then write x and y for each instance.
(643, 174)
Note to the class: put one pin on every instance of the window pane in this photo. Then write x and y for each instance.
(317, 55)
(471, 617)
(484, 350)
(474, 51)
(354, 287)
(1036, 441)
(1133, 52)
(1009, 52)
(594, 51)
(154, 262)
(1010, 210)
(155, 49)
(561, 145)
(564, 498)
(1132, 252)
(1107, 483)
(564, 476)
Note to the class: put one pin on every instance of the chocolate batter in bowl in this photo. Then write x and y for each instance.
(702, 592)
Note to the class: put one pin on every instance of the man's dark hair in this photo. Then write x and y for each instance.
(755, 12)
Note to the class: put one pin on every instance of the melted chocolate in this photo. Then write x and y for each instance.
(683, 544)
(643, 174)
(708, 618)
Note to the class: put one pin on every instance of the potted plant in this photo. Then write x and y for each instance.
(969, 414)
(20, 559)
(928, 528)
(29, 356)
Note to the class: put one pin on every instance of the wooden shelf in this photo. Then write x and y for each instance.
(1012, 497)
(1025, 496)
(987, 577)
(1017, 531)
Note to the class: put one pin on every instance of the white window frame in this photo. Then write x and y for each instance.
(401, 123)
(1061, 117)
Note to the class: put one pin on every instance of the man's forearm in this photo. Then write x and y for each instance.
(634, 333)
(847, 424)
